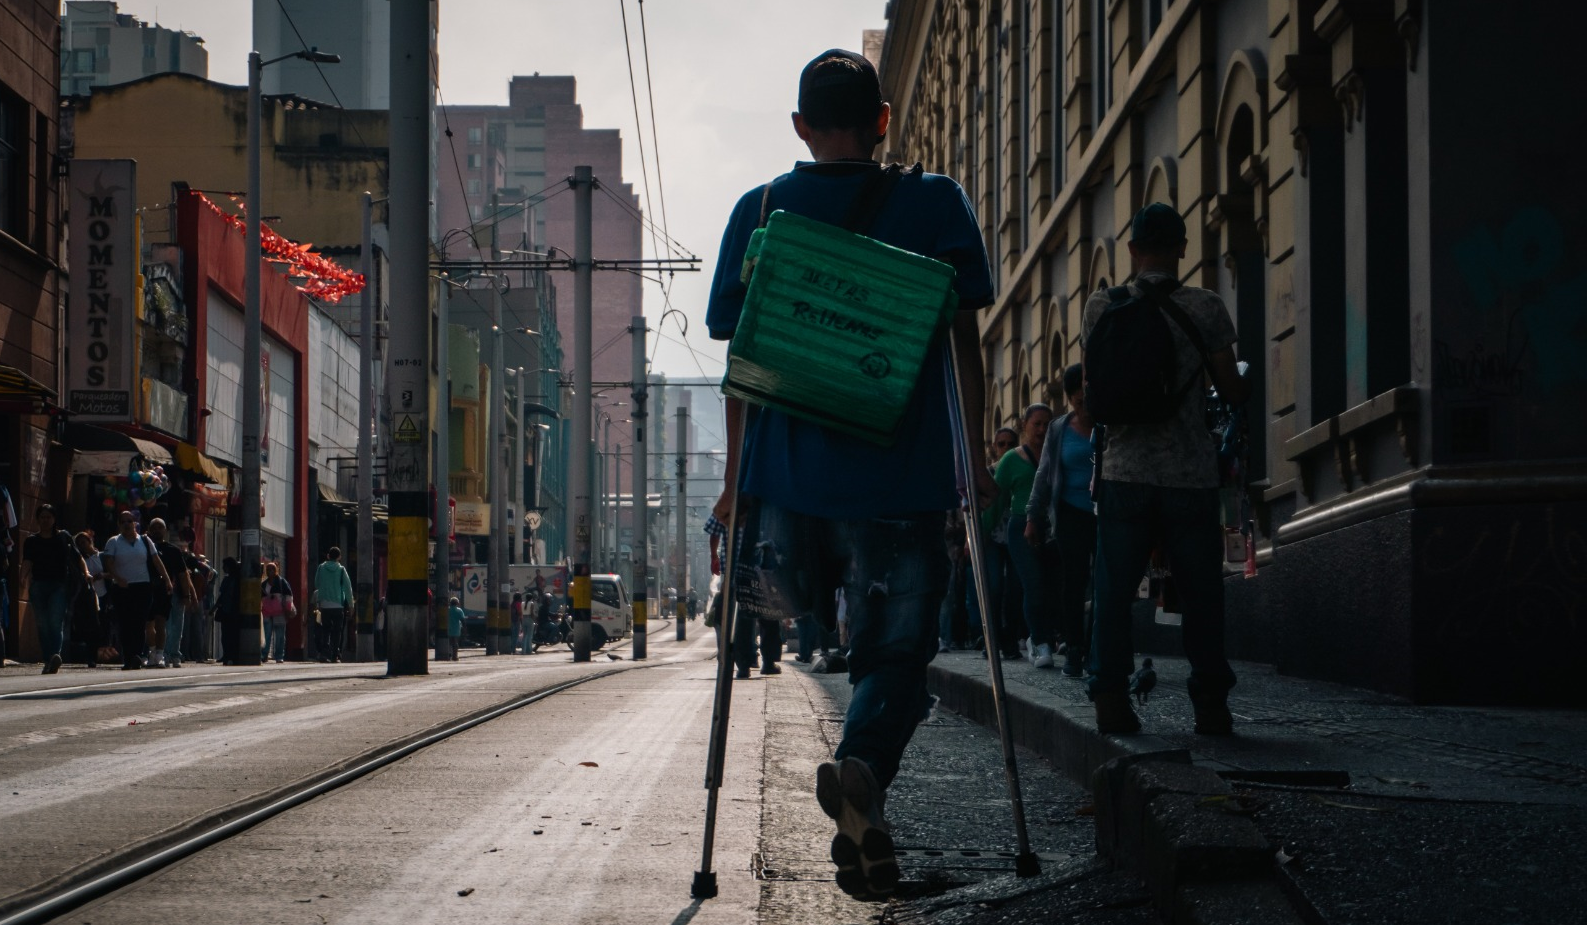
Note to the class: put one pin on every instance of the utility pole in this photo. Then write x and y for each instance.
(682, 578)
(408, 356)
(443, 470)
(517, 472)
(641, 491)
(583, 263)
(365, 650)
(496, 577)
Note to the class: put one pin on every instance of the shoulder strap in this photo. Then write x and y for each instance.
(1163, 298)
(873, 195)
(765, 205)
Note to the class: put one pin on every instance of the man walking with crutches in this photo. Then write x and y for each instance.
(822, 509)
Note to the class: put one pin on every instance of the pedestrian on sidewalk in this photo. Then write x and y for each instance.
(275, 605)
(1003, 591)
(333, 595)
(1061, 521)
(170, 609)
(88, 605)
(135, 571)
(1160, 480)
(821, 507)
(228, 610)
(50, 564)
(454, 626)
(517, 623)
(1016, 474)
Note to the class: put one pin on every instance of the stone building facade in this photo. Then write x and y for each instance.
(1397, 236)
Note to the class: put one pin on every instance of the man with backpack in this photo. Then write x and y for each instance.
(821, 508)
(1148, 348)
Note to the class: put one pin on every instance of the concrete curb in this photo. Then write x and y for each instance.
(1172, 823)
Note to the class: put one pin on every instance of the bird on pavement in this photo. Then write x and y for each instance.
(614, 656)
(1143, 680)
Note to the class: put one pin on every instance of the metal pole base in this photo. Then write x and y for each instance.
(704, 885)
(1027, 864)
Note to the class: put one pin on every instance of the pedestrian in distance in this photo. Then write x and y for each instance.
(275, 605)
(517, 622)
(1003, 592)
(822, 507)
(1159, 479)
(135, 571)
(169, 613)
(454, 625)
(333, 595)
(50, 566)
(88, 599)
(228, 609)
(1016, 474)
(1061, 520)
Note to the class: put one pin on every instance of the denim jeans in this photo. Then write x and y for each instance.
(47, 604)
(275, 639)
(894, 574)
(1131, 517)
(174, 622)
(1034, 578)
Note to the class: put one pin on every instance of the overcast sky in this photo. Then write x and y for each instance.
(725, 78)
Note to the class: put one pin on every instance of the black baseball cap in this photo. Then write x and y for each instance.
(839, 89)
(1157, 225)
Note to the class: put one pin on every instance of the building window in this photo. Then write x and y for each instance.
(474, 161)
(13, 164)
(473, 187)
(1101, 71)
(1060, 112)
(476, 212)
(1152, 12)
(475, 135)
(83, 60)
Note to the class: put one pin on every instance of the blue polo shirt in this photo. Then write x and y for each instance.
(802, 466)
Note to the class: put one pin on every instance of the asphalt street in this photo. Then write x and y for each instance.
(586, 806)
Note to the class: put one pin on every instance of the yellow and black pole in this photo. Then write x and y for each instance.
(583, 183)
(407, 357)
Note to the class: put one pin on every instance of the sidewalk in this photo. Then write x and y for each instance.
(1329, 804)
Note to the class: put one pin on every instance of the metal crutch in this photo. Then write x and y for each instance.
(704, 886)
(1026, 863)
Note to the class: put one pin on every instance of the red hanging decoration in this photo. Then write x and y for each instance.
(324, 280)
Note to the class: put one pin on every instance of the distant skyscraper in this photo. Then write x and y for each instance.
(358, 30)
(100, 47)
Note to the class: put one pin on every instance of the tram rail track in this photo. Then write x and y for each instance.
(73, 889)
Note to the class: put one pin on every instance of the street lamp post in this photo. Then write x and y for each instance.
(253, 389)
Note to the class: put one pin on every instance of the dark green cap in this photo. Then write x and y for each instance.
(1157, 225)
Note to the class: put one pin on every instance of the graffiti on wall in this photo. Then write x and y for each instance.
(1530, 299)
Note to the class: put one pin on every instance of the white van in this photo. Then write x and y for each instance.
(611, 609)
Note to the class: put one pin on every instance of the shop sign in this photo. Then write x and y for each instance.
(101, 379)
(471, 518)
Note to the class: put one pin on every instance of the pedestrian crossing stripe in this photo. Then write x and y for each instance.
(407, 428)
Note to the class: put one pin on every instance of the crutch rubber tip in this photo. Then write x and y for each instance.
(704, 885)
(1026, 865)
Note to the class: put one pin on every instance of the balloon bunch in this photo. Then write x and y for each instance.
(138, 488)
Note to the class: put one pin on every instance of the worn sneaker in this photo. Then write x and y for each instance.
(743, 673)
(1042, 657)
(944, 647)
(1074, 669)
(862, 849)
(772, 668)
(53, 665)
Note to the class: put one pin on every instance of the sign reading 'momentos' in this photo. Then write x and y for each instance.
(102, 320)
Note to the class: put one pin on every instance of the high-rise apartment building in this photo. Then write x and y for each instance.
(357, 30)
(101, 46)
(523, 153)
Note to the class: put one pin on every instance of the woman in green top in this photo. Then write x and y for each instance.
(1016, 474)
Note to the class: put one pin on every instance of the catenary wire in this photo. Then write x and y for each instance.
(380, 166)
(655, 139)
(639, 131)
